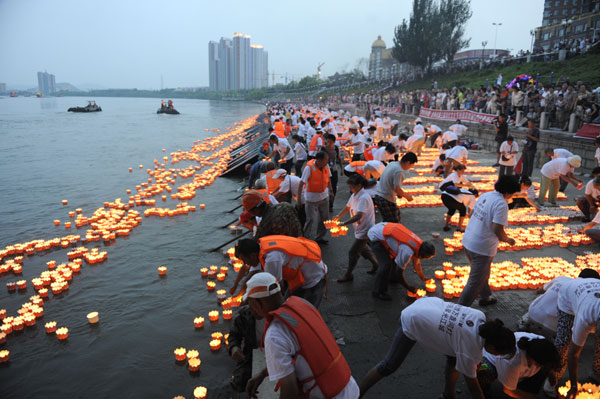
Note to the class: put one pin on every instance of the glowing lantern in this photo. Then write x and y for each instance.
(4, 354)
(93, 317)
(439, 274)
(194, 364)
(227, 314)
(62, 333)
(180, 354)
(204, 271)
(162, 270)
(192, 354)
(210, 285)
(199, 322)
(200, 393)
(221, 277)
(65, 202)
(215, 344)
(213, 316)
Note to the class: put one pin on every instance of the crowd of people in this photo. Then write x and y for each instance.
(284, 277)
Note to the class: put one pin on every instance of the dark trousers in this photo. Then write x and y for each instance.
(528, 159)
(360, 248)
(287, 165)
(334, 182)
(357, 157)
(300, 167)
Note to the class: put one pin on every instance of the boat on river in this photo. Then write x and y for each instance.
(91, 107)
(167, 109)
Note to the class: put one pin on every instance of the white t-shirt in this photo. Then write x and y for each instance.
(404, 252)
(506, 150)
(597, 156)
(479, 237)
(466, 198)
(455, 178)
(581, 298)
(398, 143)
(543, 309)
(418, 131)
(434, 129)
(410, 142)
(362, 202)
(436, 164)
(458, 153)
(510, 371)
(591, 190)
(290, 183)
(447, 328)
(561, 153)
(282, 146)
(313, 197)
(458, 129)
(358, 138)
(313, 272)
(380, 154)
(555, 168)
(282, 357)
(375, 166)
(300, 151)
(391, 179)
(449, 136)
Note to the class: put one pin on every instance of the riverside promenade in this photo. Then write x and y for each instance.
(365, 326)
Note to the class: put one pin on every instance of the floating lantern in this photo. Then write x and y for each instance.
(214, 268)
(202, 206)
(237, 265)
(227, 314)
(62, 333)
(92, 317)
(200, 393)
(4, 354)
(224, 269)
(215, 344)
(212, 274)
(210, 285)
(204, 271)
(180, 354)
(199, 322)
(192, 354)
(213, 316)
(221, 277)
(162, 270)
(439, 274)
(2, 338)
(221, 294)
(216, 335)
(22, 284)
(2, 314)
(56, 222)
(65, 202)
(6, 328)
(430, 287)
(12, 286)
(194, 364)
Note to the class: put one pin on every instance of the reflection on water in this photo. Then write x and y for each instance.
(49, 156)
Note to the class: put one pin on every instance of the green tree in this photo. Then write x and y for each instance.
(453, 14)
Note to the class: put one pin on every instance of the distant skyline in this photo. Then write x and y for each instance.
(130, 44)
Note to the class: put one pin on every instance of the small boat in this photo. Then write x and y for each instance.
(13, 94)
(91, 107)
(167, 109)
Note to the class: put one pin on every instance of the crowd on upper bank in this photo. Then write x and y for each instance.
(284, 277)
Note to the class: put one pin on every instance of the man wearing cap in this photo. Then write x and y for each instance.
(264, 151)
(317, 179)
(356, 141)
(295, 260)
(552, 172)
(301, 353)
(274, 219)
(288, 188)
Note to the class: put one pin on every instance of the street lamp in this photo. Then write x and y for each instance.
(496, 24)
(483, 43)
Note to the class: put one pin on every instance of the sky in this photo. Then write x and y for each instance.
(132, 43)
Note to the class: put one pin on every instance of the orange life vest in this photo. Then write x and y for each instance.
(298, 247)
(272, 183)
(368, 154)
(313, 142)
(319, 178)
(279, 129)
(288, 129)
(330, 370)
(358, 167)
(264, 193)
(403, 235)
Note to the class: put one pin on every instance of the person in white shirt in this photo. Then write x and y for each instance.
(597, 154)
(356, 141)
(387, 125)
(458, 128)
(484, 232)
(523, 374)
(578, 314)
(400, 143)
(552, 172)
(449, 137)
(588, 204)
(508, 156)
(554, 153)
(433, 131)
(300, 153)
(416, 142)
(289, 356)
(310, 131)
(287, 189)
(438, 165)
(455, 156)
(362, 217)
(459, 332)
(592, 229)
(385, 154)
(457, 178)
(526, 196)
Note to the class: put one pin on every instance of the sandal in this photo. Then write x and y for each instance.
(345, 279)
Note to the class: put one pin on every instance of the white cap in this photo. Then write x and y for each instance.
(353, 126)
(261, 285)
(574, 161)
(280, 173)
(418, 120)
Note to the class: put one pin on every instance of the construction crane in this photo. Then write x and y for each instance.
(319, 70)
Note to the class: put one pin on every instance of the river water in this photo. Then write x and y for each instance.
(47, 155)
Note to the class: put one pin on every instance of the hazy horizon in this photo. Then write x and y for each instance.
(122, 44)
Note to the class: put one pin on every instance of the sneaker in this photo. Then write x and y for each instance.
(549, 390)
(487, 301)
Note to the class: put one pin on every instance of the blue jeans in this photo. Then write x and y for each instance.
(401, 346)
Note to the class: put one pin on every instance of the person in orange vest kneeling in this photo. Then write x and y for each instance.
(394, 246)
(294, 260)
(300, 351)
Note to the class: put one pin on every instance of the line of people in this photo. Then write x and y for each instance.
(284, 277)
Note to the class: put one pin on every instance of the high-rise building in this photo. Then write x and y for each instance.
(46, 83)
(564, 21)
(235, 64)
(2, 87)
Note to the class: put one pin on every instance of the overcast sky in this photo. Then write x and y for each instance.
(127, 43)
